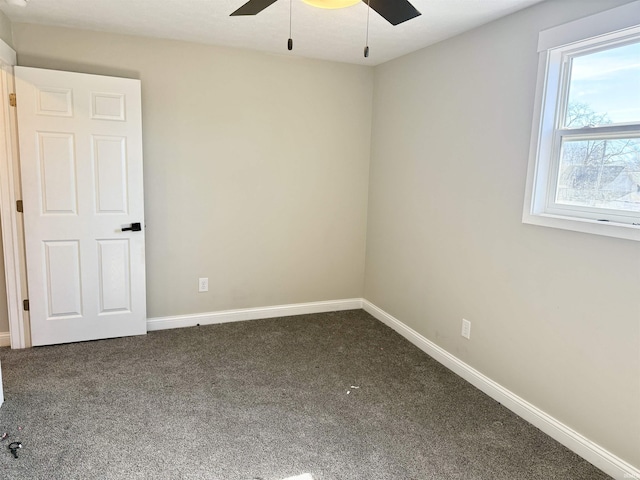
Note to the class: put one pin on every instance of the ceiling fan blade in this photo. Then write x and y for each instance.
(252, 7)
(394, 11)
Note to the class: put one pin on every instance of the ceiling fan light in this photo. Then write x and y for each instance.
(17, 3)
(331, 3)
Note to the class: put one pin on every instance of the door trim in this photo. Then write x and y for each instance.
(13, 250)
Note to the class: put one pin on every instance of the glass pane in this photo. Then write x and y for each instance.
(600, 173)
(605, 88)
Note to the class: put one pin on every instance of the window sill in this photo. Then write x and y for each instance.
(594, 227)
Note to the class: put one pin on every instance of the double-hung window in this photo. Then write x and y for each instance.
(584, 171)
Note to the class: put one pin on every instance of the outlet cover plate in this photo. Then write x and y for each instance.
(466, 329)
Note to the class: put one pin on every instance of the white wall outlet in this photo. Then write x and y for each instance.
(466, 329)
(203, 285)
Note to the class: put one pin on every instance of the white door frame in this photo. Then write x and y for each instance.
(13, 247)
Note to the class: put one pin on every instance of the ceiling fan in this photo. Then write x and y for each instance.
(394, 11)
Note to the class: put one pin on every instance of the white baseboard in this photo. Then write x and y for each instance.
(178, 321)
(593, 453)
(5, 339)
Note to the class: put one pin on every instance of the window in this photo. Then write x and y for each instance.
(584, 171)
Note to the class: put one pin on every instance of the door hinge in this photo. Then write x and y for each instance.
(12, 99)
(19, 206)
(25, 305)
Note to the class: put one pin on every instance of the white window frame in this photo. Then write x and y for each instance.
(555, 46)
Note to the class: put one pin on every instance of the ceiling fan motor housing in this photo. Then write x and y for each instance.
(331, 3)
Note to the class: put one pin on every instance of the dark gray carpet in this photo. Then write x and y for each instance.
(266, 400)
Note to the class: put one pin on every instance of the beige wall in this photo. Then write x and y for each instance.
(6, 36)
(6, 32)
(555, 314)
(256, 166)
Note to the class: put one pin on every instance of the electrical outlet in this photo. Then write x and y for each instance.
(466, 329)
(203, 285)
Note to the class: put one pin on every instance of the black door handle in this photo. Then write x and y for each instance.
(135, 227)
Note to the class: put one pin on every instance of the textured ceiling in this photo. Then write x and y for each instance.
(326, 34)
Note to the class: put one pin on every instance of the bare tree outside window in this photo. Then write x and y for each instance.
(602, 173)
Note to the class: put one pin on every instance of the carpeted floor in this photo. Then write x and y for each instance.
(266, 399)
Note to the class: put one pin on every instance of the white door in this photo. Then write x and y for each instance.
(80, 142)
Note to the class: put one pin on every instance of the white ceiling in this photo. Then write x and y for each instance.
(317, 33)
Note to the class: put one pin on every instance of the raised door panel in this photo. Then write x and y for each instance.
(57, 170)
(114, 273)
(110, 167)
(51, 101)
(108, 106)
(62, 279)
